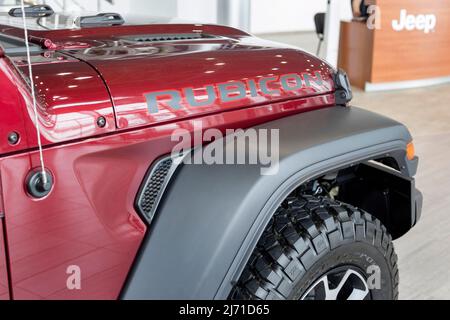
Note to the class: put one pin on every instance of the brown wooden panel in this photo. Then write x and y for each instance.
(355, 52)
(411, 55)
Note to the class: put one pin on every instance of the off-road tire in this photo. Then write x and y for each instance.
(308, 236)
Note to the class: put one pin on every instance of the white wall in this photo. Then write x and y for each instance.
(267, 16)
(88, 5)
(166, 8)
(346, 10)
(157, 8)
(270, 16)
(203, 11)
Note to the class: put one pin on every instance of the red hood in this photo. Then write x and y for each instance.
(223, 70)
(161, 81)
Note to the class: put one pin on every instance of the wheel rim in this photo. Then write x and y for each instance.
(343, 283)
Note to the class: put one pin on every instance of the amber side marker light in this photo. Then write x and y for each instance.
(410, 151)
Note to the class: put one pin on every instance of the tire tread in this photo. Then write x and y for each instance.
(302, 230)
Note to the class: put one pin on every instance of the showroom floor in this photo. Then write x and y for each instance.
(424, 255)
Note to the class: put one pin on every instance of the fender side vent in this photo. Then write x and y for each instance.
(168, 37)
(154, 185)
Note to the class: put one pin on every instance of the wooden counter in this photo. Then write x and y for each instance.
(387, 55)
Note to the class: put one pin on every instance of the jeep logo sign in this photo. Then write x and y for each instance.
(421, 22)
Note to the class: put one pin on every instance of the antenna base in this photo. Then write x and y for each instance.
(36, 185)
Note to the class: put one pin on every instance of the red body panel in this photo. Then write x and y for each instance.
(157, 67)
(12, 117)
(89, 219)
(4, 288)
(4, 281)
(71, 97)
(74, 225)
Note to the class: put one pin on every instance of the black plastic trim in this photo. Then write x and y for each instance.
(343, 94)
(212, 216)
(35, 11)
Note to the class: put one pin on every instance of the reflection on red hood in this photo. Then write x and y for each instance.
(146, 75)
(133, 69)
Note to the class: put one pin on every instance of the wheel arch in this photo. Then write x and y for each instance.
(196, 249)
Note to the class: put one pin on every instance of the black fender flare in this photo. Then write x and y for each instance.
(211, 216)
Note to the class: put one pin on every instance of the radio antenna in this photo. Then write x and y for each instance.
(33, 96)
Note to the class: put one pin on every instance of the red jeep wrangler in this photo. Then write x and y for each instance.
(95, 203)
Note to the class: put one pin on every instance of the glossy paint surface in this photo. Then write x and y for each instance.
(76, 225)
(112, 76)
(71, 97)
(4, 289)
(89, 220)
(12, 109)
(133, 69)
(4, 281)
